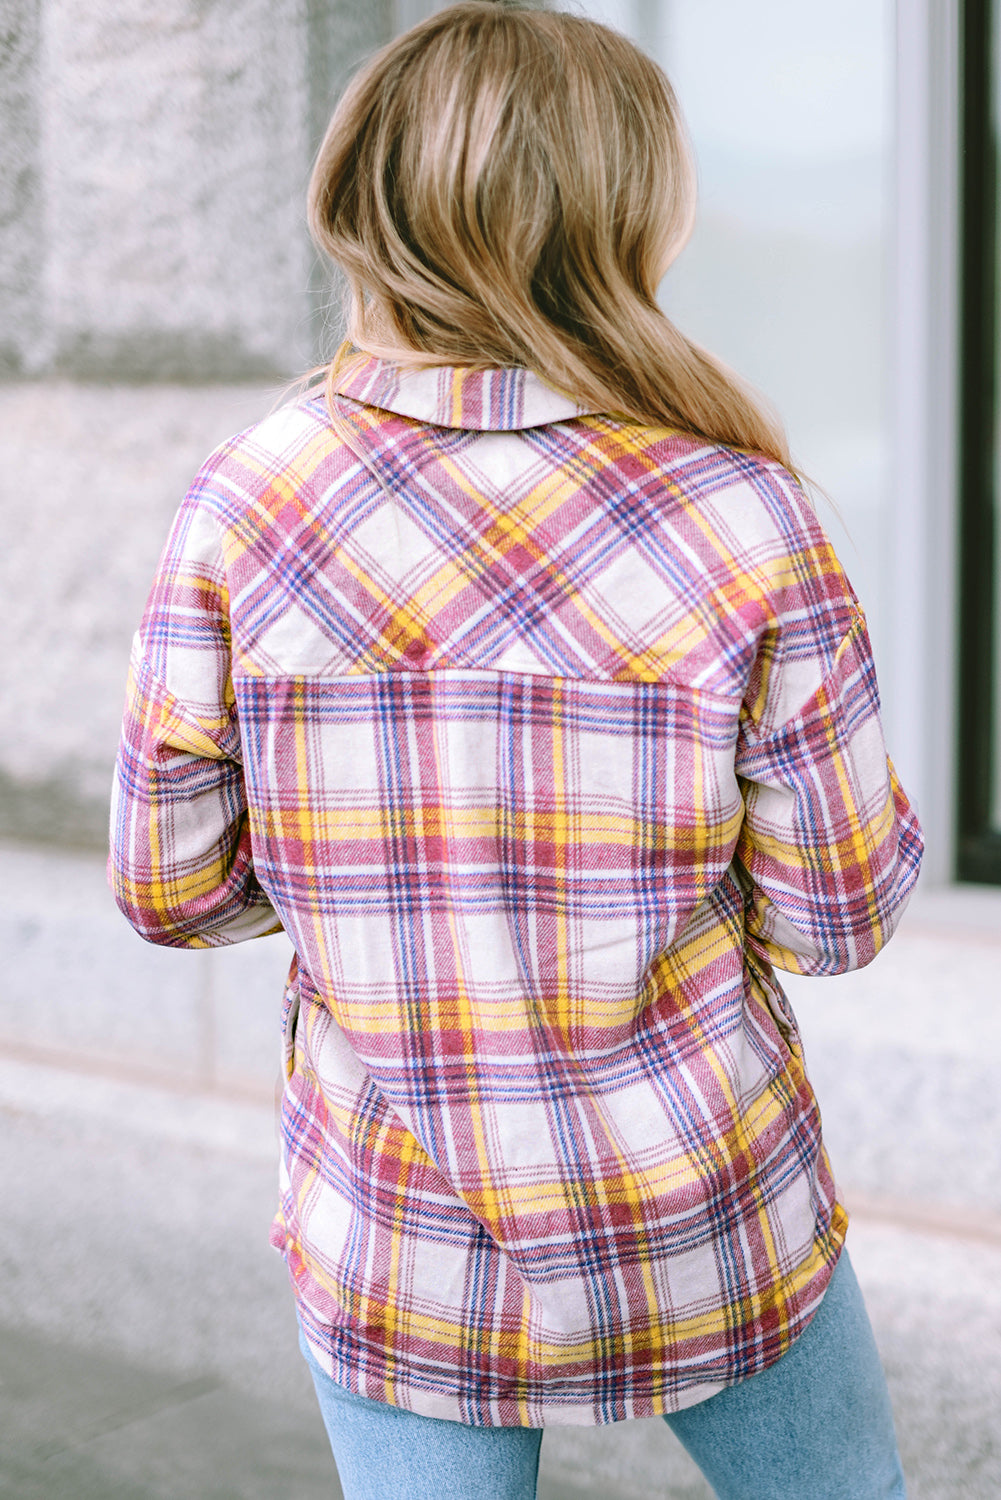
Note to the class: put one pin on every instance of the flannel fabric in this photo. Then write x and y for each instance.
(546, 736)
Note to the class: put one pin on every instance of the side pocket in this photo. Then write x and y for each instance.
(766, 988)
(290, 1017)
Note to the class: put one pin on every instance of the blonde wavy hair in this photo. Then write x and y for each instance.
(507, 187)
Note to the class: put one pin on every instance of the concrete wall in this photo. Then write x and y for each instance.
(152, 207)
(20, 181)
(157, 290)
(89, 479)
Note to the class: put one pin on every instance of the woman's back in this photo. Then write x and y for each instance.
(555, 729)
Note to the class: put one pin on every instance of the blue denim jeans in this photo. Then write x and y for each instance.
(815, 1426)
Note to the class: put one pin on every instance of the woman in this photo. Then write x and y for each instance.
(515, 678)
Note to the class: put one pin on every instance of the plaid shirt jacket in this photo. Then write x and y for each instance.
(545, 735)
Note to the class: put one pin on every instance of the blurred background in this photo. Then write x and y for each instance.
(157, 293)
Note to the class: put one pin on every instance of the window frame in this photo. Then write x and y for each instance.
(978, 845)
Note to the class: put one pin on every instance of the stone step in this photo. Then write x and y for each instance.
(145, 1313)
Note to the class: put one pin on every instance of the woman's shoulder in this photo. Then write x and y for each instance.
(695, 473)
(282, 434)
(283, 447)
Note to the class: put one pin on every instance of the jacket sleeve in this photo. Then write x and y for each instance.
(830, 848)
(181, 867)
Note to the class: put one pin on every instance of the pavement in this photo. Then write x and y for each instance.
(147, 1340)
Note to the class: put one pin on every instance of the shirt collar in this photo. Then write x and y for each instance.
(500, 400)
